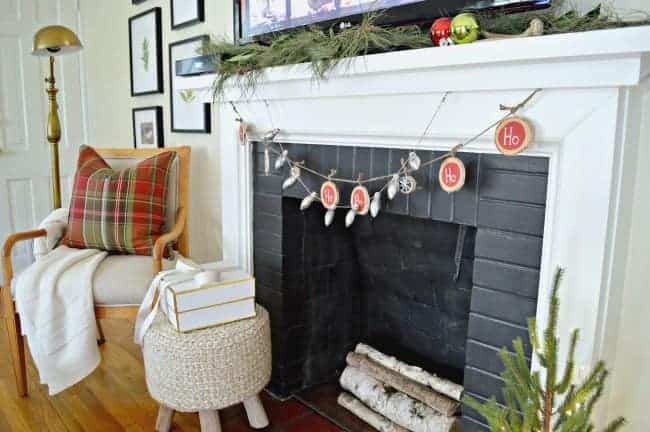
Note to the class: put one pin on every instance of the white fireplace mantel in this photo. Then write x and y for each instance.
(587, 123)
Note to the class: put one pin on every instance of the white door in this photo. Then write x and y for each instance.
(24, 152)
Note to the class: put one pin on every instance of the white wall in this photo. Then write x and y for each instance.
(105, 37)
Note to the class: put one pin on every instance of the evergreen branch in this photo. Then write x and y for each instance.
(568, 372)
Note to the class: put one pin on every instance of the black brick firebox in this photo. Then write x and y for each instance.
(390, 281)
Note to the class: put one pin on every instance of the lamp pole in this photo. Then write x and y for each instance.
(54, 135)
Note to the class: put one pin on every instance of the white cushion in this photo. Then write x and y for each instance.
(124, 279)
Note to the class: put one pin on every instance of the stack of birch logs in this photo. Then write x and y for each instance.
(392, 396)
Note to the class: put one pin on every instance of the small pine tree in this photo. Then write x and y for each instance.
(558, 406)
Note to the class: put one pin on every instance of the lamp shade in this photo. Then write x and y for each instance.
(55, 40)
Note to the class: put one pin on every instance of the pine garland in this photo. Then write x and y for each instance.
(555, 406)
(325, 49)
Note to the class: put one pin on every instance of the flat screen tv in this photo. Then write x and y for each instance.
(261, 17)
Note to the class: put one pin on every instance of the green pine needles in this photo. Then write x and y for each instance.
(323, 50)
(536, 404)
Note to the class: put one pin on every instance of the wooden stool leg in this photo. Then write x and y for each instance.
(164, 420)
(100, 333)
(209, 420)
(255, 411)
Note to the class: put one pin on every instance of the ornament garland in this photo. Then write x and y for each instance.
(513, 134)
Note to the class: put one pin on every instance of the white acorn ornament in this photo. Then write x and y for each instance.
(329, 217)
(393, 187)
(375, 204)
(414, 161)
(349, 218)
(291, 180)
(282, 159)
(307, 201)
(267, 160)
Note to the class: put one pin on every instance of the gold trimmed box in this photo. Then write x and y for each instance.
(191, 306)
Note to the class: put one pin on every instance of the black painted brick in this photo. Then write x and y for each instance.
(271, 184)
(268, 241)
(509, 247)
(501, 305)
(484, 357)
(267, 203)
(483, 383)
(506, 277)
(467, 424)
(514, 186)
(497, 333)
(267, 222)
(465, 199)
(511, 216)
(518, 163)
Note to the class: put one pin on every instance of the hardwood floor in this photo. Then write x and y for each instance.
(115, 398)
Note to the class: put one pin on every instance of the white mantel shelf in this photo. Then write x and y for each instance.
(594, 50)
(587, 122)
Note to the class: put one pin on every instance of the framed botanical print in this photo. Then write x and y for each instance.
(148, 127)
(186, 12)
(145, 52)
(187, 114)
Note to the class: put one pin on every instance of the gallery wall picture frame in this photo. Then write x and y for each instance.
(148, 129)
(145, 52)
(186, 115)
(186, 13)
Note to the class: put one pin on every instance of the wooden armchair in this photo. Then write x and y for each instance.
(121, 281)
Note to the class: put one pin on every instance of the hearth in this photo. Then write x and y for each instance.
(439, 280)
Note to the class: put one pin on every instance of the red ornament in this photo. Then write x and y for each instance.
(440, 30)
(452, 174)
(513, 135)
(329, 195)
(360, 200)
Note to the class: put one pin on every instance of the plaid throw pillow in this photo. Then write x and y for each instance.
(118, 211)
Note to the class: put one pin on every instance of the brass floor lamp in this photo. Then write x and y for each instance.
(54, 41)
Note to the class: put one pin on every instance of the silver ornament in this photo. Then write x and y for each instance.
(349, 218)
(393, 186)
(407, 184)
(282, 159)
(375, 204)
(267, 160)
(329, 217)
(414, 161)
(270, 135)
(307, 201)
(291, 180)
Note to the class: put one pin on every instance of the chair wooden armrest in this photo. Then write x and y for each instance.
(165, 239)
(7, 247)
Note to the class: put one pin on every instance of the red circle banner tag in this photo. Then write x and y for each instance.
(360, 199)
(513, 135)
(452, 174)
(329, 195)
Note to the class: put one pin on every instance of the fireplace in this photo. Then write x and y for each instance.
(439, 280)
(588, 143)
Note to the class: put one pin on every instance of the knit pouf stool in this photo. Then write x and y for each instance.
(207, 370)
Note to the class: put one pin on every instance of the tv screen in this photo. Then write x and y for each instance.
(259, 17)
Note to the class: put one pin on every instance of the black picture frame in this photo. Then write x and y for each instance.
(200, 16)
(206, 112)
(157, 11)
(160, 131)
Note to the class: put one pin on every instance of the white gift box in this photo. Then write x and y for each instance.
(191, 303)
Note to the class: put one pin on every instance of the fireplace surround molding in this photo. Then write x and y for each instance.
(587, 122)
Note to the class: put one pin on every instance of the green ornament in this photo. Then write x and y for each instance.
(465, 28)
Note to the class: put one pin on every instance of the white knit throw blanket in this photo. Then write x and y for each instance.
(54, 299)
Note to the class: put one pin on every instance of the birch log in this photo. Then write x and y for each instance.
(395, 406)
(441, 403)
(415, 373)
(374, 419)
